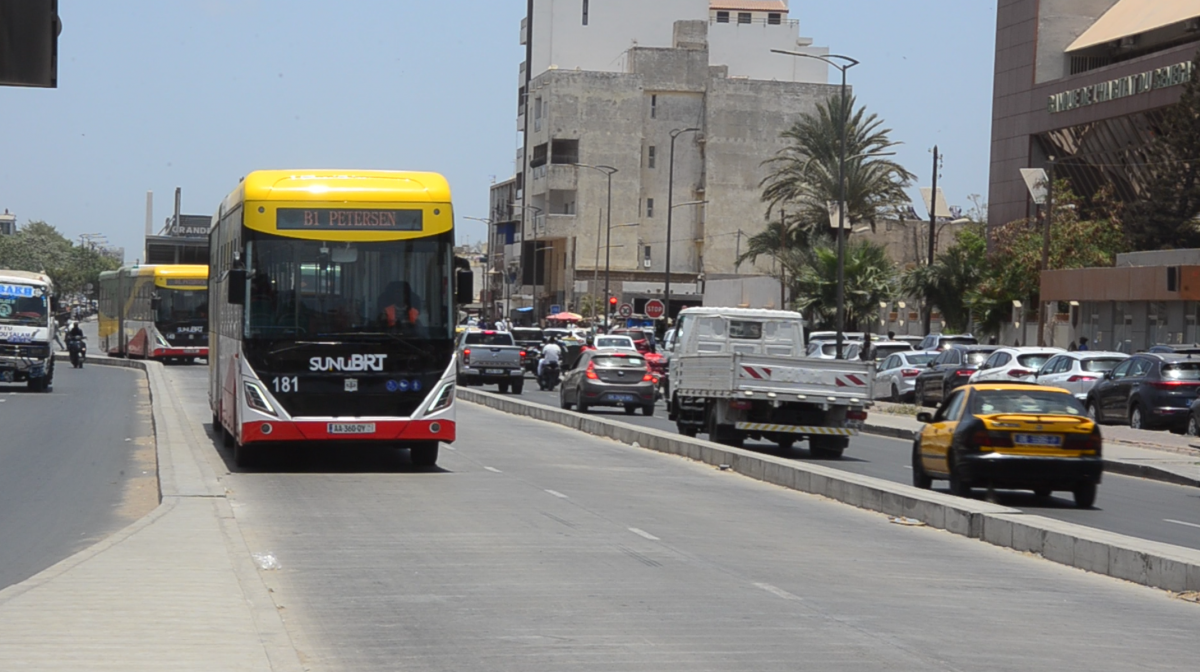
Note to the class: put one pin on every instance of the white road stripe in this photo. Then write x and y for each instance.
(494, 470)
(643, 533)
(908, 466)
(451, 448)
(558, 494)
(777, 592)
(1180, 522)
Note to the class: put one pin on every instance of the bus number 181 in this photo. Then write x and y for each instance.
(287, 385)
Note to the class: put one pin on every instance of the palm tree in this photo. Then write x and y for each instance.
(870, 279)
(949, 282)
(804, 175)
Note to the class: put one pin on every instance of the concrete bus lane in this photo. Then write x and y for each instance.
(76, 464)
(533, 547)
(1132, 506)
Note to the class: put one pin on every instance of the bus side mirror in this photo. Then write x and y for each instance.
(155, 303)
(236, 286)
(464, 287)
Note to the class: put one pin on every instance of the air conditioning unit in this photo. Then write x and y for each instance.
(645, 263)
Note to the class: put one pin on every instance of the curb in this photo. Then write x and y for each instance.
(1147, 471)
(1144, 562)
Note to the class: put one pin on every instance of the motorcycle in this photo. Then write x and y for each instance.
(550, 376)
(77, 347)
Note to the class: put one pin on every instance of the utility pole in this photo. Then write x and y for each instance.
(1045, 265)
(782, 266)
(932, 234)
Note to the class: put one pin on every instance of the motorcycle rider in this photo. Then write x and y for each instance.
(551, 352)
(75, 340)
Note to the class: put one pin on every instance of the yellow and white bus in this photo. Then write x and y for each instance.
(334, 311)
(155, 312)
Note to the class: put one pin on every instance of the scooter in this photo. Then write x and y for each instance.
(77, 347)
(550, 376)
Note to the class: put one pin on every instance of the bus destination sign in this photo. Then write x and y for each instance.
(305, 219)
(187, 282)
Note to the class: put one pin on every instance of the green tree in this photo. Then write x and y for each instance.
(1166, 218)
(40, 248)
(804, 175)
(869, 279)
(1080, 237)
(951, 278)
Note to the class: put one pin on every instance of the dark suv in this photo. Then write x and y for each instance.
(1148, 391)
(948, 371)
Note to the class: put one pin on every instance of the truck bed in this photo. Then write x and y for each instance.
(800, 378)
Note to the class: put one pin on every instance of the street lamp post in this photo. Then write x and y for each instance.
(536, 314)
(671, 209)
(608, 172)
(845, 64)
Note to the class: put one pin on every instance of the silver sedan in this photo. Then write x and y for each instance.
(896, 376)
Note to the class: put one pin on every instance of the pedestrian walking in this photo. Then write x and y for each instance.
(1083, 343)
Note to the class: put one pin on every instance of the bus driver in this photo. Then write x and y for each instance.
(397, 305)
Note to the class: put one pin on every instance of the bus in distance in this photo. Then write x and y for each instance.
(155, 312)
(333, 296)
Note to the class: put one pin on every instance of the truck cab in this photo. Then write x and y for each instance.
(27, 329)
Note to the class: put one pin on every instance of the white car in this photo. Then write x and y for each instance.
(828, 349)
(1011, 365)
(1078, 372)
(896, 376)
(603, 342)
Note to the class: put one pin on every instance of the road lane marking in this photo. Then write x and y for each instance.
(777, 592)
(451, 448)
(1180, 522)
(494, 470)
(908, 466)
(644, 534)
(558, 494)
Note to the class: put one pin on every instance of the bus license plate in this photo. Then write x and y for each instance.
(494, 372)
(1037, 440)
(351, 428)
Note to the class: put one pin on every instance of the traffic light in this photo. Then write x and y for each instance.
(612, 300)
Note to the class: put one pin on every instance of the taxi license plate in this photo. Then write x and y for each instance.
(351, 428)
(1037, 440)
(494, 372)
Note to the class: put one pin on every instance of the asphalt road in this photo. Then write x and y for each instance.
(76, 465)
(1134, 506)
(534, 547)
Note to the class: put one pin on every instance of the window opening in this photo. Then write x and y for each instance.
(651, 159)
(743, 17)
(649, 207)
(774, 19)
(585, 12)
(722, 17)
(653, 106)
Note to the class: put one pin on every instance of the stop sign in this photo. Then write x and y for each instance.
(655, 309)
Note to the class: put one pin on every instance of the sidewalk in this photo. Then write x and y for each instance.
(177, 590)
(1161, 456)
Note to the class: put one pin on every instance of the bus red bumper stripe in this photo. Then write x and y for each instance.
(180, 352)
(385, 430)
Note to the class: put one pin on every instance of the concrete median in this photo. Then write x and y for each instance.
(1148, 563)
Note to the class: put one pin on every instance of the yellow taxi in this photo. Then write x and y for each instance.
(1021, 437)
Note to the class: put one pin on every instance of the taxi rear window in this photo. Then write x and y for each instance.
(989, 402)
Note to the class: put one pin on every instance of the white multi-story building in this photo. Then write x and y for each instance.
(619, 84)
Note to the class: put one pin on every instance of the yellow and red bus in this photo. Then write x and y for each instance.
(155, 312)
(333, 296)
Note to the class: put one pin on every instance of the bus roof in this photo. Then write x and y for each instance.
(181, 271)
(349, 186)
(7, 275)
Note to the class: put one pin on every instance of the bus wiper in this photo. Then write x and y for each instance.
(407, 341)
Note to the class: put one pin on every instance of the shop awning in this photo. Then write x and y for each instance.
(1131, 17)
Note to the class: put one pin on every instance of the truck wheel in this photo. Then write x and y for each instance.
(518, 386)
(723, 434)
(502, 388)
(785, 444)
(424, 455)
(828, 447)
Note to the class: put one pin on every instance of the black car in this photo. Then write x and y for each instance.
(1191, 349)
(949, 371)
(1148, 391)
(529, 338)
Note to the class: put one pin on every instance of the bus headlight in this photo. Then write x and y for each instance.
(257, 399)
(443, 400)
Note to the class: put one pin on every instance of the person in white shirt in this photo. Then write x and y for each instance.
(551, 352)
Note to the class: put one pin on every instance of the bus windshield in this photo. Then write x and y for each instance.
(179, 305)
(22, 304)
(304, 289)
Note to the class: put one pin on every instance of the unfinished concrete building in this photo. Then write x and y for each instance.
(614, 84)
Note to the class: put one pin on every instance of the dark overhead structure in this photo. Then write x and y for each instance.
(29, 43)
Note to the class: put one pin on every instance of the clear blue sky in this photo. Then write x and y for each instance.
(196, 93)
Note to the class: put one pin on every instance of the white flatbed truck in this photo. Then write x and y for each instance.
(738, 373)
(27, 329)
